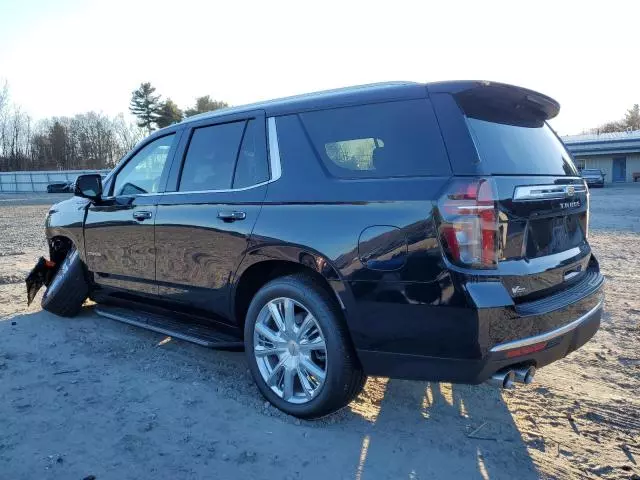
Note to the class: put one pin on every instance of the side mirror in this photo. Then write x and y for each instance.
(89, 186)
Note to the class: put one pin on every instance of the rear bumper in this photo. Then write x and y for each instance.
(493, 337)
(560, 343)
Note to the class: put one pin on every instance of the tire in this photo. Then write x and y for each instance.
(68, 289)
(343, 377)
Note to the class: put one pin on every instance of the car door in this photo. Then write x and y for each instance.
(119, 229)
(203, 226)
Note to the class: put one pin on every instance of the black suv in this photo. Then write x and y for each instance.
(429, 232)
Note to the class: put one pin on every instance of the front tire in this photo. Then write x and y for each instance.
(68, 289)
(298, 348)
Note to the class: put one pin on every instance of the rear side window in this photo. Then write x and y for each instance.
(211, 157)
(394, 139)
(252, 165)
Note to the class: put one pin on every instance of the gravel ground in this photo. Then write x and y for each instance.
(90, 396)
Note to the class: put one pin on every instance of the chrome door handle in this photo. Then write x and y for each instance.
(142, 215)
(232, 216)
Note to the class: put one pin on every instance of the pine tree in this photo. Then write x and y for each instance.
(205, 104)
(169, 114)
(632, 118)
(145, 105)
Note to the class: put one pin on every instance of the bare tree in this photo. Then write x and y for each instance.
(88, 140)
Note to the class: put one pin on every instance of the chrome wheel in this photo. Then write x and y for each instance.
(290, 350)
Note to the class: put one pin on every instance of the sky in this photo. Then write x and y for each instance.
(62, 57)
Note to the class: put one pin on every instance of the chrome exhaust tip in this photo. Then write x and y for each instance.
(525, 374)
(503, 379)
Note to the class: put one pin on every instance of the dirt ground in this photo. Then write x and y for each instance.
(90, 396)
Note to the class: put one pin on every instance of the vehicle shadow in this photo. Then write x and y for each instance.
(112, 372)
(440, 430)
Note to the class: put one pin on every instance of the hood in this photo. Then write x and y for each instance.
(68, 205)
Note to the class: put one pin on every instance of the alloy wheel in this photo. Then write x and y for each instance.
(290, 350)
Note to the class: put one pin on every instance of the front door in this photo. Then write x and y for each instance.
(203, 228)
(119, 230)
(619, 170)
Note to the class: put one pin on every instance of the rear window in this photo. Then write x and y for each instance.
(513, 148)
(394, 139)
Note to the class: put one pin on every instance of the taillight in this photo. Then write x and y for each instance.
(469, 223)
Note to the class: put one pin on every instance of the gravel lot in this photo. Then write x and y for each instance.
(90, 396)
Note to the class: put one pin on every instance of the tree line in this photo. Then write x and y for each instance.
(92, 140)
(89, 140)
(630, 121)
(151, 111)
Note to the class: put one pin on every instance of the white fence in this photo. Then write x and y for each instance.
(19, 182)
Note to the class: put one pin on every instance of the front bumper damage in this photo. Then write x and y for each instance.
(41, 274)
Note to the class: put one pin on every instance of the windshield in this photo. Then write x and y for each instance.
(518, 149)
(591, 172)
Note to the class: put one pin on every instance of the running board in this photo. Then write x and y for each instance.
(195, 333)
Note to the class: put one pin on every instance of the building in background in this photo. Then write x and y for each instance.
(616, 154)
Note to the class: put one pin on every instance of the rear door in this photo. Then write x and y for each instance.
(501, 134)
(205, 219)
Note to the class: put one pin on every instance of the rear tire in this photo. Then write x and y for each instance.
(68, 289)
(322, 379)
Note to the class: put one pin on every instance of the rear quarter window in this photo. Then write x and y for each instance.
(392, 139)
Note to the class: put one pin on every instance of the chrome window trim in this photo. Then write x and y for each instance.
(274, 149)
(545, 337)
(274, 162)
(212, 191)
(538, 192)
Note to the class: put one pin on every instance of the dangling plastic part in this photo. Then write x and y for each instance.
(40, 275)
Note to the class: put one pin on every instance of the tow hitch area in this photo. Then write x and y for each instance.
(41, 274)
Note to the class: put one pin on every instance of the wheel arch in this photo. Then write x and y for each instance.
(266, 263)
(60, 244)
(66, 220)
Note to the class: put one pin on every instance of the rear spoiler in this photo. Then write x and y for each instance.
(499, 102)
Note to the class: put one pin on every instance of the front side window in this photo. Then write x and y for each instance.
(142, 172)
(211, 157)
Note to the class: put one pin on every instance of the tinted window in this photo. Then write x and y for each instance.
(506, 148)
(395, 139)
(211, 157)
(252, 167)
(356, 154)
(142, 172)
